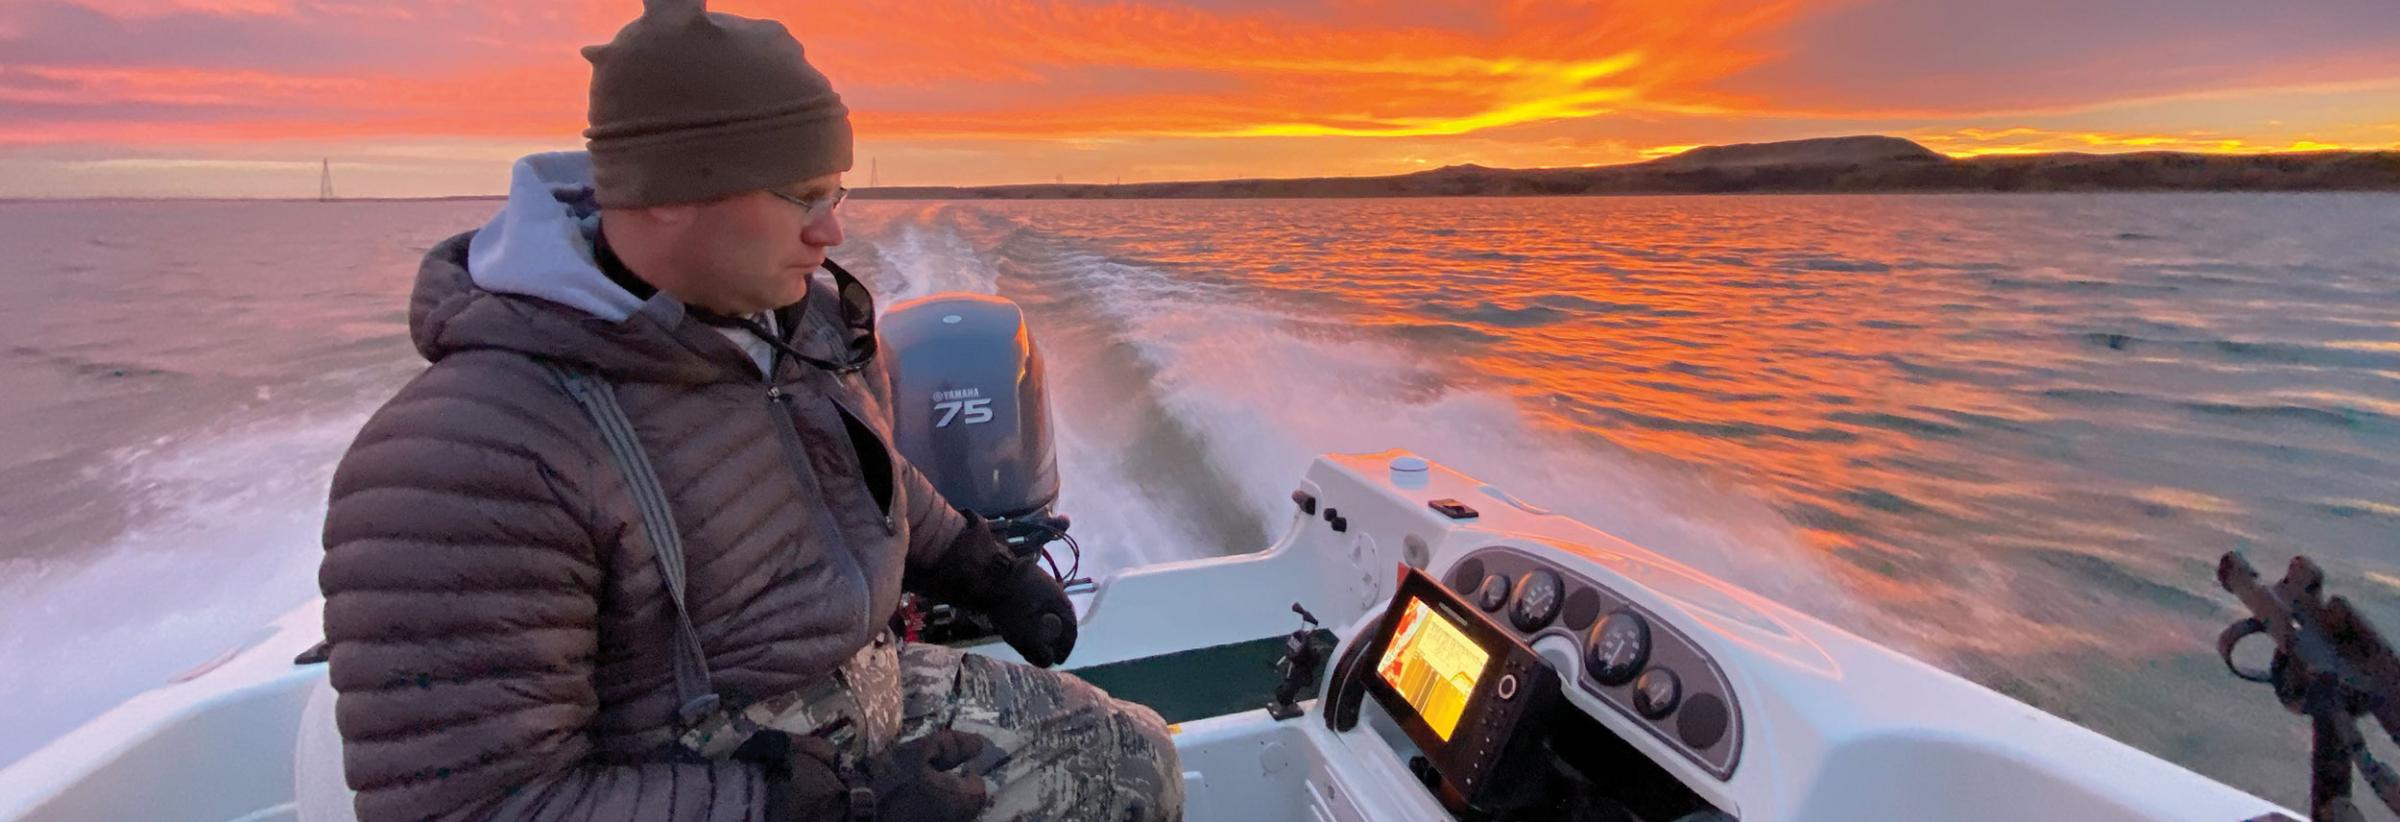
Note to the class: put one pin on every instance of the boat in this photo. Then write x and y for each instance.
(1417, 644)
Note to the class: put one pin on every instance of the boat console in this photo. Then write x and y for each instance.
(1497, 661)
(1483, 708)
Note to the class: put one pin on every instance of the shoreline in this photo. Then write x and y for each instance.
(1833, 165)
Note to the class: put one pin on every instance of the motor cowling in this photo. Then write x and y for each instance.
(971, 412)
(969, 404)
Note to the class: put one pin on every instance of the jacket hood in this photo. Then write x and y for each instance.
(540, 244)
(527, 282)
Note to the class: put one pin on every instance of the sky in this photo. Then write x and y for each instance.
(250, 98)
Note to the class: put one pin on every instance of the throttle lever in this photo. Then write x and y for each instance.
(1303, 655)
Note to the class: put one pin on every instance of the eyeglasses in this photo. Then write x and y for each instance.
(816, 209)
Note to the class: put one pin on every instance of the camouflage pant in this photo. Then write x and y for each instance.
(1074, 753)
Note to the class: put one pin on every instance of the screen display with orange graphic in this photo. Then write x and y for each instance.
(1433, 665)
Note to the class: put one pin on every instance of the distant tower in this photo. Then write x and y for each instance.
(325, 182)
(874, 173)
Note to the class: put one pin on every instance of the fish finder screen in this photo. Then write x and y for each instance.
(1433, 665)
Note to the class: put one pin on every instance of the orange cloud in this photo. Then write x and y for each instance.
(1977, 142)
(1268, 75)
(1003, 92)
(964, 69)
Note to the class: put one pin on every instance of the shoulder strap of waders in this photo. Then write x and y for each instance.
(695, 694)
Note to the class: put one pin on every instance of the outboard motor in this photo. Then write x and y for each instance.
(970, 411)
(968, 403)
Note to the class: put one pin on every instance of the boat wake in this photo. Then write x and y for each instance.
(1188, 406)
(219, 535)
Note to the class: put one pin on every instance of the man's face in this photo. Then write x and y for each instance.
(754, 251)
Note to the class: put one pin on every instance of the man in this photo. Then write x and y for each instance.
(505, 617)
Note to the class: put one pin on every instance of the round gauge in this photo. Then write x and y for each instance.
(1619, 646)
(1656, 692)
(1538, 595)
(1493, 594)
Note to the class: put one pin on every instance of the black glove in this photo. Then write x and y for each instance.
(1022, 599)
(914, 782)
(911, 783)
(1033, 615)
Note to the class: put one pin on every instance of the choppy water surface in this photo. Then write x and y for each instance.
(2010, 434)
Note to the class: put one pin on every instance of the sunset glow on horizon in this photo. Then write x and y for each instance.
(243, 97)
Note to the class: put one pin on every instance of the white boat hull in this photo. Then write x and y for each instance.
(1833, 727)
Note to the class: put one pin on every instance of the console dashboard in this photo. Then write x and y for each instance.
(1457, 672)
(1639, 665)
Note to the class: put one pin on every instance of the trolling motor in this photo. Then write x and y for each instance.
(2330, 665)
(971, 411)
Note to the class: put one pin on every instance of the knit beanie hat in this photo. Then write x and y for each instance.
(691, 105)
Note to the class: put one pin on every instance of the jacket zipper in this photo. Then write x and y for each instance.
(891, 463)
(780, 405)
(778, 352)
(783, 401)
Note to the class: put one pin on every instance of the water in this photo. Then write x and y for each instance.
(2010, 434)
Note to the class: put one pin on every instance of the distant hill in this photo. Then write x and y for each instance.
(1833, 164)
(1821, 151)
